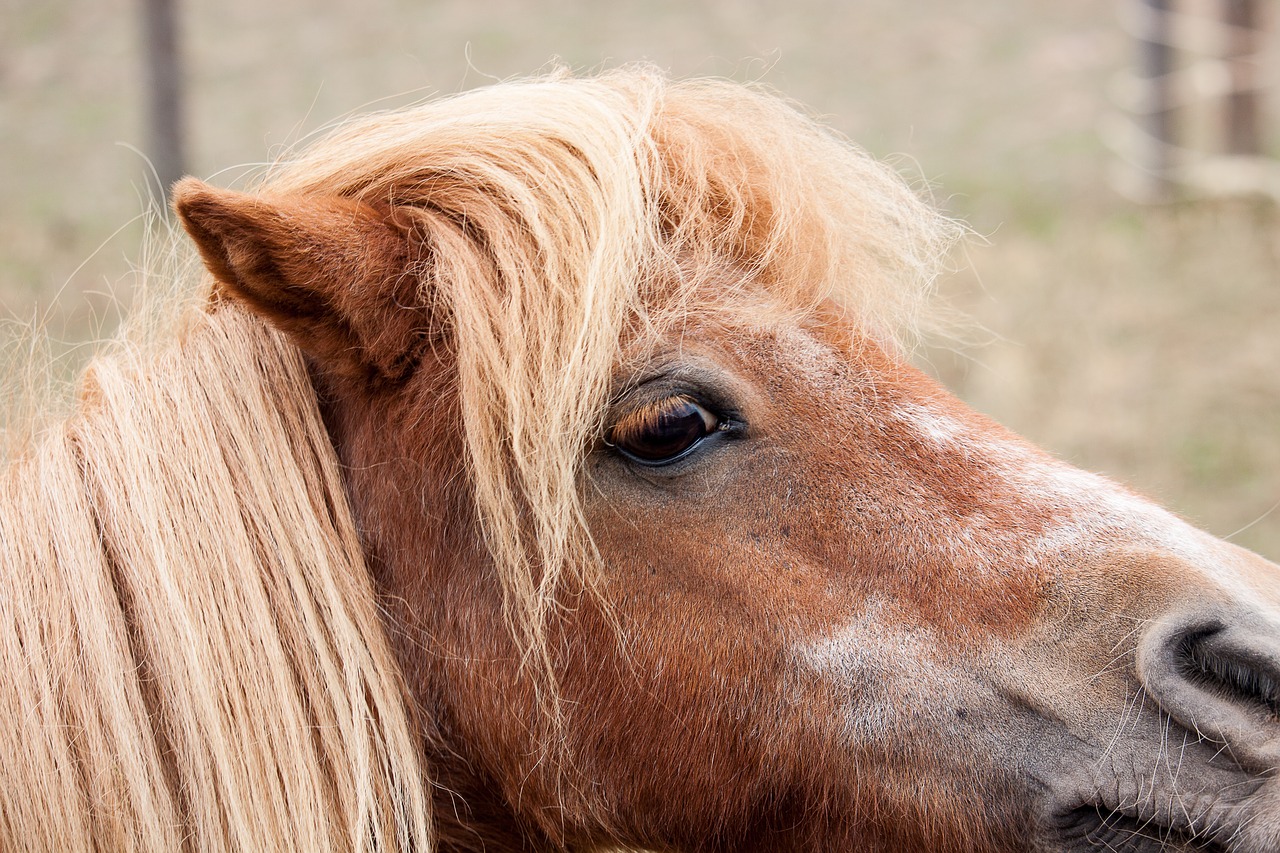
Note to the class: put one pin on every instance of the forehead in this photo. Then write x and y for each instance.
(750, 336)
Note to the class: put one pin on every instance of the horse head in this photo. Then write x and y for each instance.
(676, 548)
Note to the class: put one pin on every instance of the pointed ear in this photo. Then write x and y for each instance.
(337, 275)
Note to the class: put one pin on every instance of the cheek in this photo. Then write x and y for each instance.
(689, 679)
(729, 543)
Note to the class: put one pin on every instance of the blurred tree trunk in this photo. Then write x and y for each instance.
(164, 91)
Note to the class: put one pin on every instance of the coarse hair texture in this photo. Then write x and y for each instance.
(192, 650)
(191, 647)
(565, 214)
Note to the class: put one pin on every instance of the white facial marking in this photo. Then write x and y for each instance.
(935, 427)
(885, 666)
(1088, 516)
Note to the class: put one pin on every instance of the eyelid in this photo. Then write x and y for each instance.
(649, 416)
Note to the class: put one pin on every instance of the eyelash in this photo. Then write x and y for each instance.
(665, 431)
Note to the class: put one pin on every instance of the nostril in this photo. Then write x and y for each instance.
(1218, 674)
(1215, 668)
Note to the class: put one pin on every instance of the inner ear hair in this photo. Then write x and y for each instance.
(340, 276)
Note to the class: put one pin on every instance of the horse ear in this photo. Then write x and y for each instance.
(337, 275)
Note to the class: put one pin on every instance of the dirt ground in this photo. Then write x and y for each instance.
(1135, 340)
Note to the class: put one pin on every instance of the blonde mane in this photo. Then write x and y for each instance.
(192, 649)
(192, 652)
(566, 213)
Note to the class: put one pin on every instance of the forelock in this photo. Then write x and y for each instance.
(564, 210)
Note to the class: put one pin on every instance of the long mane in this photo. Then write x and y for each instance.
(191, 646)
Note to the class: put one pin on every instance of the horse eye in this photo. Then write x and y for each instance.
(663, 432)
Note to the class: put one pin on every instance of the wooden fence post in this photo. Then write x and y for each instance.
(1155, 64)
(1242, 119)
(164, 91)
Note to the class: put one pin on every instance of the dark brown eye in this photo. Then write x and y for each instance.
(664, 431)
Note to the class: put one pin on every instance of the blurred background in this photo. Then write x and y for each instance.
(1125, 292)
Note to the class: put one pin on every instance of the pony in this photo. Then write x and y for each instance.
(543, 469)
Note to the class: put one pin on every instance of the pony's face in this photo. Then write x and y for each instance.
(909, 628)
(838, 609)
